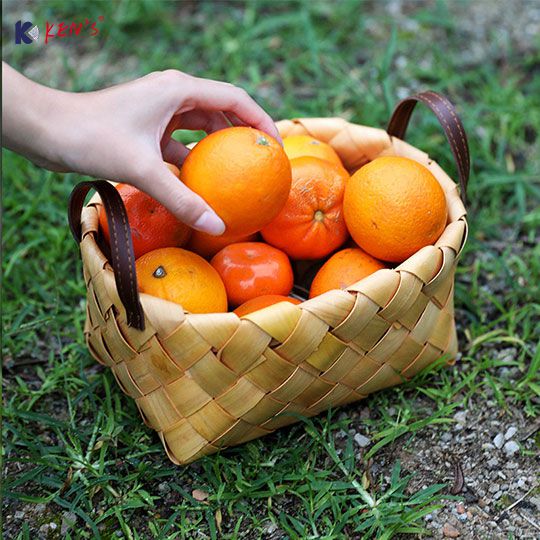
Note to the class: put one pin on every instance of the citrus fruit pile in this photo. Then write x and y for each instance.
(285, 208)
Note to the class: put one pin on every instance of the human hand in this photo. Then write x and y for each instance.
(123, 133)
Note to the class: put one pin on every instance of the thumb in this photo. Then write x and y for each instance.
(187, 206)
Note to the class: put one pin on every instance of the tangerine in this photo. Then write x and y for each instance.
(343, 269)
(152, 225)
(183, 277)
(305, 145)
(251, 269)
(393, 207)
(311, 224)
(261, 302)
(243, 174)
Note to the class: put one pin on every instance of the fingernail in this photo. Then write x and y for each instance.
(210, 223)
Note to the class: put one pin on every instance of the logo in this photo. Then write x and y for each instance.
(26, 32)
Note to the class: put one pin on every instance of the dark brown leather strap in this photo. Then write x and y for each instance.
(122, 256)
(449, 120)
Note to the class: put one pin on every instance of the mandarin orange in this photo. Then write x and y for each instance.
(261, 302)
(394, 206)
(311, 225)
(251, 269)
(152, 225)
(183, 277)
(343, 269)
(305, 145)
(243, 174)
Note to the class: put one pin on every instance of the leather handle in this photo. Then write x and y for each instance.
(450, 122)
(122, 255)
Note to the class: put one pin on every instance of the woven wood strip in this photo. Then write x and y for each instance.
(209, 381)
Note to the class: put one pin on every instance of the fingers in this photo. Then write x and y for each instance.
(188, 207)
(218, 96)
(174, 152)
(208, 121)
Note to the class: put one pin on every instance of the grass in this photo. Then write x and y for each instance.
(73, 442)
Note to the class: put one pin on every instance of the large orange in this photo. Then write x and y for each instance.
(243, 174)
(183, 277)
(261, 302)
(343, 269)
(251, 269)
(393, 207)
(207, 245)
(311, 225)
(152, 225)
(305, 145)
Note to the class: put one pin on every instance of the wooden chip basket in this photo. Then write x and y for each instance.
(204, 382)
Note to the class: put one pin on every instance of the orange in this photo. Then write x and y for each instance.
(183, 277)
(343, 269)
(393, 207)
(152, 225)
(243, 174)
(261, 302)
(311, 225)
(207, 245)
(305, 145)
(251, 269)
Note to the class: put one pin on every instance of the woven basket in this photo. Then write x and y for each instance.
(204, 382)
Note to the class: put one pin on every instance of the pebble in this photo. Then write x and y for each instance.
(19, 514)
(446, 437)
(46, 527)
(461, 417)
(493, 463)
(449, 531)
(521, 483)
(510, 448)
(498, 495)
(460, 509)
(361, 440)
(494, 488)
(164, 487)
(488, 446)
(498, 441)
(510, 432)
(69, 519)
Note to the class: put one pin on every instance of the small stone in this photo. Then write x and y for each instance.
(428, 517)
(460, 509)
(164, 487)
(488, 446)
(39, 508)
(361, 440)
(498, 495)
(19, 514)
(510, 448)
(461, 417)
(494, 488)
(462, 517)
(510, 432)
(520, 484)
(69, 519)
(449, 531)
(446, 437)
(498, 441)
(493, 463)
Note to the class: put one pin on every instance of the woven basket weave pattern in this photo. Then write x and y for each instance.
(204, 382)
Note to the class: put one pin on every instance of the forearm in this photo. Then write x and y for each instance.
(31, 115)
